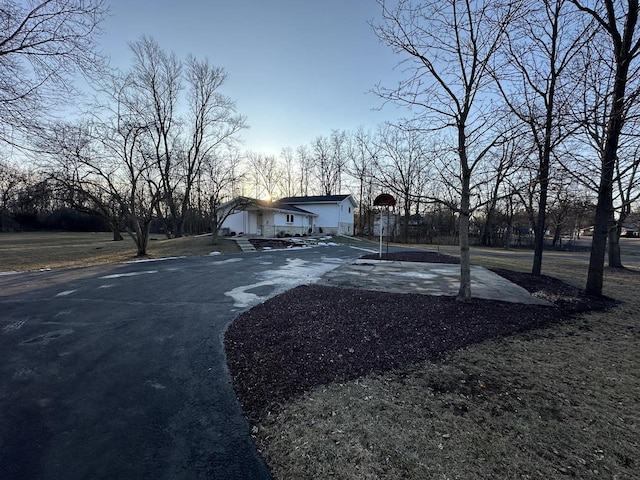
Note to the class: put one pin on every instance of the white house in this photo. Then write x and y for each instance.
(328, 214)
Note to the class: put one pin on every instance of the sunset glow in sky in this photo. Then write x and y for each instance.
(297, 68)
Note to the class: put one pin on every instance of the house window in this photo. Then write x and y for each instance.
(290, 218)
(349, 209)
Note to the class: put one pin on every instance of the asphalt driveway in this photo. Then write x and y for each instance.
(119, 372)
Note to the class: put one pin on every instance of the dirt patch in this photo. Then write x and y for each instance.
(316, 335)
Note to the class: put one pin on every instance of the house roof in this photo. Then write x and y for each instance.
(278, 206)
(315, 199)
(289, 208)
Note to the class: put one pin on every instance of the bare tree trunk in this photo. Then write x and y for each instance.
(595, 275)
(487, 232)
(556, 234)
(115, 226)
(464, 293)
(215, 231)
(539, 230)
(407, 214)
(615, 259)
(140, 236)
(143, 241)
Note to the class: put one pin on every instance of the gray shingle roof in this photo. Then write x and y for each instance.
(314, 199)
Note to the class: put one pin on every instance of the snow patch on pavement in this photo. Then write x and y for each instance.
(228, 260)
(242, 298)
(425, 276)
(130, 274)
(65, 293)
(14, 325)
(146, 260)
(364, 249)
(296, 272)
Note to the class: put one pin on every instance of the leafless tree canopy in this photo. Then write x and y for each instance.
(42, 46)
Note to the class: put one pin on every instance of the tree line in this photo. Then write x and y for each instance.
(561, 75)
(520, 114)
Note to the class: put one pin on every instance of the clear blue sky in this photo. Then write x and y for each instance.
(297, 68)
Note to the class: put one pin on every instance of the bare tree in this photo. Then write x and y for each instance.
(329, 158)
(156, 76)
(619, 21)
(221, 176)
(290, 181)
(303, 158)
(361, 164)
(541, 46)
(112, 157)
(42, 46)
(596, 82)
(73, 165)
(400, 167)
(565, 201)
(212, 126)
(448, 49)
(12, 180)
(265, 173)
(502, 164)
(179, 144)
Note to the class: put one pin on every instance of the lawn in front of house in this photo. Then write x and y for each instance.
(51, 250)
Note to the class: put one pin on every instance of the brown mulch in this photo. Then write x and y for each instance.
(315, 335)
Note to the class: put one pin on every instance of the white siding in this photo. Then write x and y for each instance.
(332, 217)
(244, 222)
(300, 224)
(237, 222)
(269, 225)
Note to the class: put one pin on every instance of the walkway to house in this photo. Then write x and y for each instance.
(244, 244)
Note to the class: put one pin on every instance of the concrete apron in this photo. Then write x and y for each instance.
(426, 279)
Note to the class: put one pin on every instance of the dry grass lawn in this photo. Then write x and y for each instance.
(560, 402)
(44, 250)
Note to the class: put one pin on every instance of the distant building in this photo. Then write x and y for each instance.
(326, 214)
(389, 224)
(630, 230)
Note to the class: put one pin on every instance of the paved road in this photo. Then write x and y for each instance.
(119, 372)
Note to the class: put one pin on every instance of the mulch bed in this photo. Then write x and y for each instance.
(261, 243)
(316, 335)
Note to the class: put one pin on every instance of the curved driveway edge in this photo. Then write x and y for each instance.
(120, 372)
